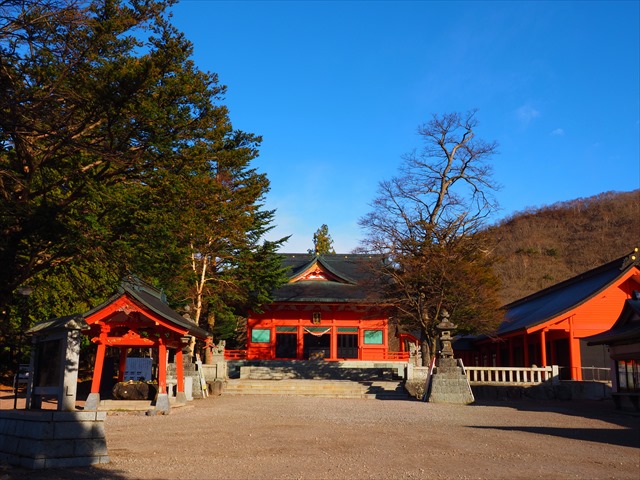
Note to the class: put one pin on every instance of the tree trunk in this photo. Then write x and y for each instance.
(426, 352)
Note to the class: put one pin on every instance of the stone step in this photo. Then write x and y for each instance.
(304, 369)
(317, 388)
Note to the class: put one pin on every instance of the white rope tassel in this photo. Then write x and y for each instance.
(317, 334)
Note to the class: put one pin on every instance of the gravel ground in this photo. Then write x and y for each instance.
(277, 437)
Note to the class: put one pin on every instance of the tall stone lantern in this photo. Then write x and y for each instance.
(445, 327)
(448, 384)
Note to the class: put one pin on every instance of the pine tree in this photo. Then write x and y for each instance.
(322, 242)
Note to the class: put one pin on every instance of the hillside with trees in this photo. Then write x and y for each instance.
(539, 247)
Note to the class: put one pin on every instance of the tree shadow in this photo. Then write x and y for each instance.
(629, 437)
(75, 473)
(603, 410)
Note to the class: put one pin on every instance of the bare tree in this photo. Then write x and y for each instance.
(427, 222)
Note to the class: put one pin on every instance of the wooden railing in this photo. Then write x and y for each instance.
(396, 356)
(235, 354)
(511, 375)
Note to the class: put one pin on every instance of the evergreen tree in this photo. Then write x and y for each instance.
(116, 156)
(322, 242)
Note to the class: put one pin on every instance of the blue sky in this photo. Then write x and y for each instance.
(337, 89)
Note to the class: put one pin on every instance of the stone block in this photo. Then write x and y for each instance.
(36, 430)
(71, 462)
(86, 416)
(73, 430)
(90, 448)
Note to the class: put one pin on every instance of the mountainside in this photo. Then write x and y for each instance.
(543, 246)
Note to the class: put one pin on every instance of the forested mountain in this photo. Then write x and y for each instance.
(543, 246)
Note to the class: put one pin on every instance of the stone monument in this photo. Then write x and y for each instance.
(36, 438)
(449, 384)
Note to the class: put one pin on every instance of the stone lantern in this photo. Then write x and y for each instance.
(445, 327)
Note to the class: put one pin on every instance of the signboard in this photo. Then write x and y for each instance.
(138, 369)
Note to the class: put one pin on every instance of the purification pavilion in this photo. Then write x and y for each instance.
(138, 316)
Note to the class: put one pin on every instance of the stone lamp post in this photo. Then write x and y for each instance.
(448, 384)
(445, 327)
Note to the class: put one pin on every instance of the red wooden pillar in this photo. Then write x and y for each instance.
(179, 371)
(123, 364)
(333, 348)
(543, 348)
(300, 344)
(511, 352)
(97, 368)
(574, 354)
(162, 369)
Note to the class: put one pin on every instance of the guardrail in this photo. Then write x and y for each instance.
(511, 375)
(397, 356)
(235, 354)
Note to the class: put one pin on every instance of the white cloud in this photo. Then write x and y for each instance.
(558, 132)
(526, 113)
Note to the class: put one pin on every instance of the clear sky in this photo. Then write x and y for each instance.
(337, 89)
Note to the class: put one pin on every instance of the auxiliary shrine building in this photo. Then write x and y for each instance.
(330, 309)
(553, 326)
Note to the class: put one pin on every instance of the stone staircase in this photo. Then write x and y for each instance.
(304, 369)
(371, 380)
(381, 390)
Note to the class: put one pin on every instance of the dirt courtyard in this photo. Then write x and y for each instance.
(278, 437)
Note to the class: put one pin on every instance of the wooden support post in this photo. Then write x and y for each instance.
(300, 343)
(97, 368)
(574, 354)
(123, 364)
(511, 352)
(543, 348)
(333, 345)
(525, 355)
(162, 368)
(179, 371)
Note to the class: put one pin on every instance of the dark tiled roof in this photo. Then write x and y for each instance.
(564, 296)
(626, 329)
(355, 281)
(70, 322)
(155, 300)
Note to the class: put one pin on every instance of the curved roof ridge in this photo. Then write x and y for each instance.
(623, 263)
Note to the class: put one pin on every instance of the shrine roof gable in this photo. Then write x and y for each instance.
(627, 326)
(341, 278)
(546, 305)
(152, 299)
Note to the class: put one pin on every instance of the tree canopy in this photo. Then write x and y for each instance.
(322, 241)
(427, 223)
(117, 155)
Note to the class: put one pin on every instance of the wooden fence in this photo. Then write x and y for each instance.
(512, 375)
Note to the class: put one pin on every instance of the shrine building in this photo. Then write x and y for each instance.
(139, 317)
(330, 309)
(550, 327)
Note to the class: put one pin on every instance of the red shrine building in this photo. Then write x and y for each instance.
(329, 309)
(552, 326)
(138, 316)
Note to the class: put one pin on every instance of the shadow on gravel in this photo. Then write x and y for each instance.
(623, 438)
(603, 410)
(78, 473)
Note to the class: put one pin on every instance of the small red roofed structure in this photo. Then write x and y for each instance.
(138, 316)
(550, 327)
